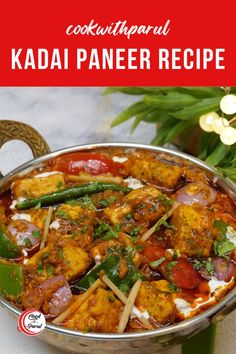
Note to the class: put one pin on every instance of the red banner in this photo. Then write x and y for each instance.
(123, 43)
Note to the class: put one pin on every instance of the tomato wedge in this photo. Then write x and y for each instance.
(181, 273)
(93, 163)
(153, 252)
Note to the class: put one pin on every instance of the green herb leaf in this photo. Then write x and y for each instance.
(167, 202)
(110, 235)
(106, 231)
(135, 231)
(164, 223)
(62, 214)
(86, 202)
(27, 242)
(49, 269)
(221, 225)
(36, 234)
(173, 288)
(222, 248)
(158, 262)
(203, 106)
(218, 154)
(40, 267)
(108, 201)
(170, 101)
(170, 265)
(60, 254)
(130, 112)
(209, 266)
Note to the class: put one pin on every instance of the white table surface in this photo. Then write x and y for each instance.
(66, 117)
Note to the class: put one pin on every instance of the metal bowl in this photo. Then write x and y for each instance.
(102, 343)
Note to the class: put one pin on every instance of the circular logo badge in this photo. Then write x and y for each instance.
(31, 322)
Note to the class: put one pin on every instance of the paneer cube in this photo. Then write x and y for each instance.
(143, 203)
(141, 206)
(159, 304)
(60, 256)
(74, 212)
(147, 167)
(192, 232)
(36, 187)
(101, 248)
(99, 313)
(77, 260)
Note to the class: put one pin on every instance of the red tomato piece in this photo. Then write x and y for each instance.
(181, 273)
(153, 252)
(93, 163)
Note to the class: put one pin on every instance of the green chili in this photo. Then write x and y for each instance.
(111, 268)
(8, 249)
(70, 193)
(11, 280)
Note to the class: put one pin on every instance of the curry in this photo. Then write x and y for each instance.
(117, 240)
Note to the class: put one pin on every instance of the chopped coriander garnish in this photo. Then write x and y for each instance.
(170, 265)
(210, 266)
(60, 254)
(173, 288)
(207, 264)
(45, 255)
(62, 214)
(84, 229)
(222, 246)
(130, 252)
(36, 234)
(221, 225)
(158, 262)
(197, 264)
(164, 223)
(108, 201)
(135, 231)
(128, 216)
(167, 202)
(86, 202)
(103, 203)
(110, 235)
(139, 248)
(101, 229)
(124, 288)
(40, 267)
(49, 269)
(106, 231)
(117, 227)
(27, 242)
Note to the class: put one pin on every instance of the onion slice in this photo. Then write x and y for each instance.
(196, 192)
(224, 269)
(23, 232)
(77, 303)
